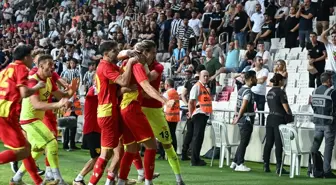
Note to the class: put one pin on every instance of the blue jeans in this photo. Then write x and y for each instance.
(241, 37)
(304, 37)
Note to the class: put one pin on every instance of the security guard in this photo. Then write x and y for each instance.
(200, 108)
(172, 113)
(324, 104)
(245, 118)
(279, 109)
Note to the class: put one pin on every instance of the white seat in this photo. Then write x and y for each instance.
(291, 148)
(292, 69)
(291, 83)
(294, 53)
(292, 90)
(293, 76)
(303, 99)
(306, 90)
(180, 90)
(291, 98)
(222, 141)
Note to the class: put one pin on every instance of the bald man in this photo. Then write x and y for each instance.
(200, 108)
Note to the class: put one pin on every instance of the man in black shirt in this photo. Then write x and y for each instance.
(317, 55)
(305, 14)
(185, 98)
(217, 20)
(240, 25)
(323, 10)
(267, 32)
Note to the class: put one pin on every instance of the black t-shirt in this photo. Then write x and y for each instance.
(206, 20)
(240, 20)
(251, 55)
(275, 98)
(264, 28)
(216, 18)
(306, 24)
(189, 84)
(316, 52)
(322, 9)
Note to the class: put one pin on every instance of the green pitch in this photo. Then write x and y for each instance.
(72, 162)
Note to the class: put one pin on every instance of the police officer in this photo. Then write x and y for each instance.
(279, 109)
(245, 118)
(200, 108)
(185, 98)
(324, 104)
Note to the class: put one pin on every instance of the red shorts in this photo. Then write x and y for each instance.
(136, 126)
(10, 127)
(50, 121)
(110, 130)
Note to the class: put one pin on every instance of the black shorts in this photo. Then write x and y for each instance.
(92, 141)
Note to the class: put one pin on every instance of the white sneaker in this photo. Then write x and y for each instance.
(233, 165)
(242, 168)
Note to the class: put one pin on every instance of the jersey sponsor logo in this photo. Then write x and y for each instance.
(318, 102)
(97, 150)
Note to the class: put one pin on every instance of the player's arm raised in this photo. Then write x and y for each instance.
(124, 79)
(72, 88)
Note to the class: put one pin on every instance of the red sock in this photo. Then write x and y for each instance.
(98, 170)
(149, 163)
(46, 162)
(138, 161)
(30, 165)
(125, 165)
(7, 156)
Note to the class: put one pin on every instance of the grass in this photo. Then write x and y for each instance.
(72, 162)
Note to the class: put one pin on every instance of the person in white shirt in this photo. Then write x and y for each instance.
(265, 55)
(259, 91)
(195, 23)
(19, 15)
(113, 24)
(8, 13)
(250, 7)
(330, 65)
(258, 19)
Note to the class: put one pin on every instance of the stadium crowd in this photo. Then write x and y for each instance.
(111, 52)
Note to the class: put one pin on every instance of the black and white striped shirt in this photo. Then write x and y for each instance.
(70, 74)
(176, 23)
(184, 33)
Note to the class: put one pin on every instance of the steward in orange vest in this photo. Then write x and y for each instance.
(76, 107)
(173, 113)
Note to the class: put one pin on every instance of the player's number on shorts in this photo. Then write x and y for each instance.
(4, 75)
(164, 134)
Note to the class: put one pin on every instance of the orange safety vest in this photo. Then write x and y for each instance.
(173, 113)
(204, 99)
(76, 107)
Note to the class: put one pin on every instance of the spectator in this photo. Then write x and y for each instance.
(179, 53)
(240, 25)
(217, 20)
(291, 29)
(258, 20)
(251, 7)
(280, 17)
(195, 24)
(266, 33)
(305, 14)
(280, 68)
(211, 65)
(323, 10)
(72, 72)
(265, 55)
(184, 34)
(317, 55)
(175, 25)
(330, 65)
(89, 76)
(259, 91)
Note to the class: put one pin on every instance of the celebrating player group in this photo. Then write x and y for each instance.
(122, 110)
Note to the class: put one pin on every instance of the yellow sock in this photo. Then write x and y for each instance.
(52, 154)
(173, 160)
(35, 156)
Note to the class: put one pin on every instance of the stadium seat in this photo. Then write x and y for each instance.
(291, 148)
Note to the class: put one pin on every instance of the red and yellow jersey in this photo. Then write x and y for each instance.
(151, 102)
(28, 113)
(55, 77)
(90, 112)
(138, 75)
(11, 78)
(106, 75)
